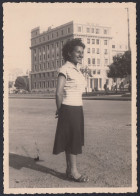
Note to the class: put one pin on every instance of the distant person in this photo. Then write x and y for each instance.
(105, 87)
(69, 136)
(115, 88)
(121, 86)
(112, 87)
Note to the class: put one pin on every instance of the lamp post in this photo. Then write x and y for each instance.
(128, 28)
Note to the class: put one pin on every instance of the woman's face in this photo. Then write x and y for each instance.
(77, 54)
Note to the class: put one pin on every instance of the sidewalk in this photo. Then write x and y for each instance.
(106, 156)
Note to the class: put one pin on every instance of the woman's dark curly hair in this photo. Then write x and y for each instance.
(69, 47)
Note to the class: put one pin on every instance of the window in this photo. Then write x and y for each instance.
(105, 42)
(39, 39)
(52, 64)
(100, 82)
(98, 61)
(106, 61)
(48, 37)
(98, 71)
(34, 51)
(107, 80)
(61, 43)
(88, 60)
(48, 65)
(35, 85)
(35, 67)
(94, 71)
(62, 61)
(48, 84)
(43, 84)
(88, 50)
(93, 41)
(57, 63)
(43, 38)
(105, 31)
(68, 29)
(97, 31)
(57, 44)
(113, 46)
(79, 29)
(93, 61)
(57, 34)
(97, 41)
(105, 51)
(48, 47)
(44, 56)
(39, 84)
(93, 50)
(88, 30)
(35, 58)
(88, 41)
(43, 65)
(98, 51)
(52, 35)
(48, 56)
(61, 32)
(92, 30)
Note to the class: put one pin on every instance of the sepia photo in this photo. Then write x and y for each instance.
(69, 98)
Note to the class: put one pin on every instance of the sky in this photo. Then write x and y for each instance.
(20, 18)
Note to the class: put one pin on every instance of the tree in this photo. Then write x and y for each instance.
(121, 66)
(10, 84)
(22, 82)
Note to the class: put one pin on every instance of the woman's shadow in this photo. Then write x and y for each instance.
(19, 161)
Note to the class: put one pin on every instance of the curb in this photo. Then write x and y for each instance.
(84, 98)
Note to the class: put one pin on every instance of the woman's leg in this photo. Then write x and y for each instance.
(71, 161)
(68, 169)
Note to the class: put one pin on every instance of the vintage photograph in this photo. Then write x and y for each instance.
(69, 98)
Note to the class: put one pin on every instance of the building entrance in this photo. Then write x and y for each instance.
(95, 84)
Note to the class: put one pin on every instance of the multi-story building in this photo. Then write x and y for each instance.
(46, 54)
(118, 49)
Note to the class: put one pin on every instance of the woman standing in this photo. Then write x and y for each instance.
(70, 126)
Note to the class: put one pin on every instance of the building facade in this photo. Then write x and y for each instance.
(46, 54)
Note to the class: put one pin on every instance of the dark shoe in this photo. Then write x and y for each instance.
(82, 178)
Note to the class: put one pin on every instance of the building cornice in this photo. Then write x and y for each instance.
(51, 41)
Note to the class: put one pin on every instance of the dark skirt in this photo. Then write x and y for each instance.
(69, 135)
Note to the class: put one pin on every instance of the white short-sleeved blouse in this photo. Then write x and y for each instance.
(74, 86)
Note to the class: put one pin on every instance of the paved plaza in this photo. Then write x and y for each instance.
(106, 157)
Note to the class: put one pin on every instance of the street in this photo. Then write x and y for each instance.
(106, 157)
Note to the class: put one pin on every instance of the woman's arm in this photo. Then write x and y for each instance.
(59, 92)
